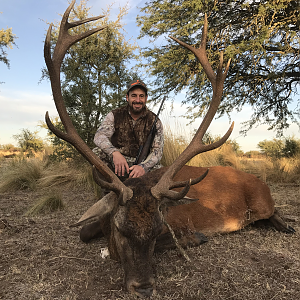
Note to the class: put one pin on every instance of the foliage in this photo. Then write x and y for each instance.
(95, 73)
(9, 147)
(276, 148)
(29, 141)
(271, 148)
(291, 147)
(7, 39)
(262, 39)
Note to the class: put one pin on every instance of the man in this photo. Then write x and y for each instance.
(125, 130)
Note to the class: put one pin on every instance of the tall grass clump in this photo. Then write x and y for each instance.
(176, 143)
(47, 203)
(21, 173)
(68, 175)
(173, 146)
(284, 170)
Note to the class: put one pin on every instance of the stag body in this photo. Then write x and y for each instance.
(130, 216)
(228, 201)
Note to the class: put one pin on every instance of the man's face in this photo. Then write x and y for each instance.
(137, 100)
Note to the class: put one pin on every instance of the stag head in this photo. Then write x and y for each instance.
(133, 207)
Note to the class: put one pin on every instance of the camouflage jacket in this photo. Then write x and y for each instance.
(106, 131)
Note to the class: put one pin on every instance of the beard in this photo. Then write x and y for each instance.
(136, 107)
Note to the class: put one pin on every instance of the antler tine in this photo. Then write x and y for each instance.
(64, 42)
(196, 146)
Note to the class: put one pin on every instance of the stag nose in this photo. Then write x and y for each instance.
(147, 292)
(142, 289)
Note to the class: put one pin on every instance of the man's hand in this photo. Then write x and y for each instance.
(120, 163)
(136, 171)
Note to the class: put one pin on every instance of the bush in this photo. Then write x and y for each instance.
(291, 147)
(226, 155)
(9, 147)
(29, 142)
(277, 148)
(271, 148)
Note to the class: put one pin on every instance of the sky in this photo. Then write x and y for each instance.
(24, 99)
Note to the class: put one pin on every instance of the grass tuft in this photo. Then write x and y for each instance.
(45, 204)
(21, 174)
(69, 176)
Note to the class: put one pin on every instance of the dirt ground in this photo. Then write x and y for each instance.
(42, 258)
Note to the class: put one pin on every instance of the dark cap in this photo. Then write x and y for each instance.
(136, 83)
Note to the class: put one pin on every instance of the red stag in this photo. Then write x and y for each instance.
(132, 215)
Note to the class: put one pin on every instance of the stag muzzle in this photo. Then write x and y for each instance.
(146, 289)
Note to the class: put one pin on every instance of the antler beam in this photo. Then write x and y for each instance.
(196, 146)
(64, 42)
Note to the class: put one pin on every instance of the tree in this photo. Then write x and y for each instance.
(276, 148)
(261, 37)
(291, 147)
(7, 39)
(95, 72)
(29, 141)
(271, 148)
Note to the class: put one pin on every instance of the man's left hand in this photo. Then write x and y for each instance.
(136, 171)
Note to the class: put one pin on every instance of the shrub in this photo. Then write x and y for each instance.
(271, 148)
(291, 147)
(277, 148)
(29, 142)
(225, 155)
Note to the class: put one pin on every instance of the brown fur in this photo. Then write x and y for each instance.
(228, 200)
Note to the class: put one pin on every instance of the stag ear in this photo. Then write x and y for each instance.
(167, 202)
(103, 207)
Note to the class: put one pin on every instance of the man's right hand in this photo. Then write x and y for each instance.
(120, 163)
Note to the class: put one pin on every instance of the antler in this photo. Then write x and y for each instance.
(64, 42)
(162, 188)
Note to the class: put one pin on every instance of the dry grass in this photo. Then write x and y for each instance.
(67, 175)
(48, 178)
(284, 170)
(20, 174)
(48, 203)
(175, 144)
